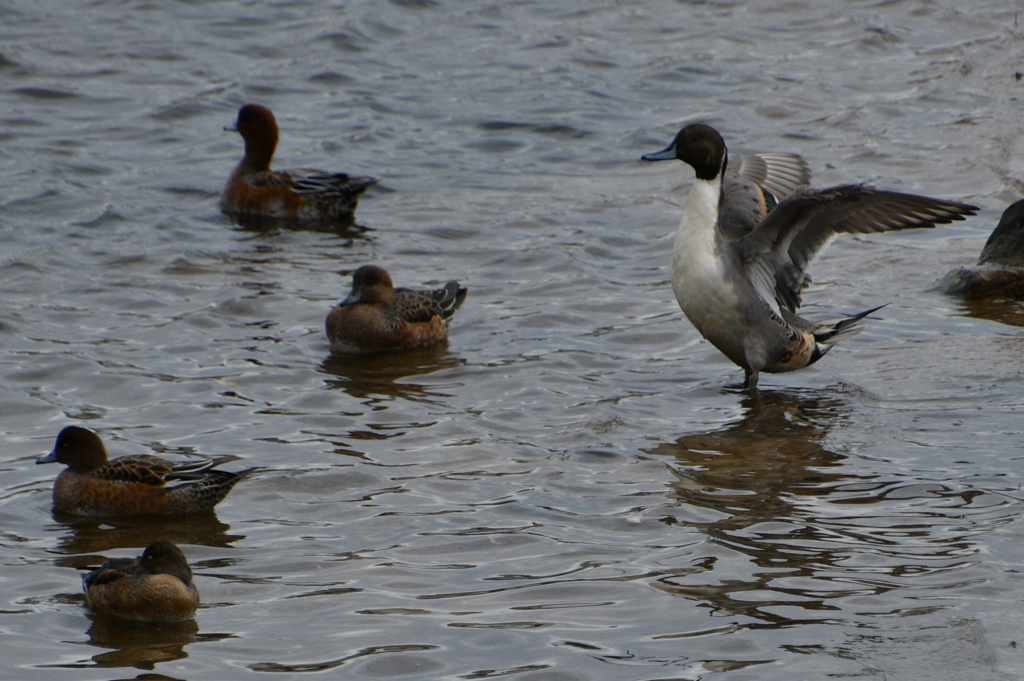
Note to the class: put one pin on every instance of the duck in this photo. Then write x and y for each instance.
(155, 587)
(1000, 268)
(376, 316)
(253, 189)
(747, 237)
(132, 485)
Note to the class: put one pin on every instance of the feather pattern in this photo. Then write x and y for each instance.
(788, 240)
(377, 316)
(133, 485)
(776, 173)
(305, 193)
(155, 587)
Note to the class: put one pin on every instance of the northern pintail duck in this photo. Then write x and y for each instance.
(377, 316)
(132, 485)
(747, 237)
(1000, 270)
(155, 587)
(302, 193)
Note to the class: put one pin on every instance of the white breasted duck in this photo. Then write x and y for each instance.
(747, 237)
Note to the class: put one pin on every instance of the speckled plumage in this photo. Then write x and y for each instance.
(303, 193)
(377, 316)
(132, 485)
(155, 587)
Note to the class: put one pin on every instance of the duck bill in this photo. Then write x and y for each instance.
(352, 299)
(232, 128)
(666, 154)
(49, 458)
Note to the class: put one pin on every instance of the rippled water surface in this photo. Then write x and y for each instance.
(564, 491)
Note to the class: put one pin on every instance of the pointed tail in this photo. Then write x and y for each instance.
(829, 333)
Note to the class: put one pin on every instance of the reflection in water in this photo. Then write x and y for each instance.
(142, 645)
(748, 473)
(138, 644)
(1002, 310)
(773, 493)
(748, 469)
(263, 224)
(97, 535)
(378, 374)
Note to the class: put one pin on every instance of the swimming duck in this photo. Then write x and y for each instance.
(377, 316)
(306, 194)
(1000, 270)
(744, 244)
(155, 587)
(132, 485)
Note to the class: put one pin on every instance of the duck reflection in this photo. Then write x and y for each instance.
(380, 374)
(261, 224)
(746, 480)
(749, 469)
(92, 535)
(142, 645)
(1003, 310)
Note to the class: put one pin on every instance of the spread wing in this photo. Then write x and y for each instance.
(779, 174)
(778, 253)
(753, 186)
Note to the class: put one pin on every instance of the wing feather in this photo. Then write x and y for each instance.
(791, 236)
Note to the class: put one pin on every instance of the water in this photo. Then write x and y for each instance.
(563, 491)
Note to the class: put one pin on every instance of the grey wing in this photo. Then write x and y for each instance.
(449, 298)
(741, 209)
(791, 236)
(308, 181)
(754, 185)
(779, 174)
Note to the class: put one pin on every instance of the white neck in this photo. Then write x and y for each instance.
(699, 280)
(694, 246)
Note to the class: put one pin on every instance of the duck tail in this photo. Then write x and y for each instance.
(829, 333)
(449, 298)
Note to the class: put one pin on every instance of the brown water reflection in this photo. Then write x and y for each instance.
(98, 535)
(1002, 310)
(748, 469)
(261, 224)
(769, 488)
(142, 645)
(748, 474)
(378, 377)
